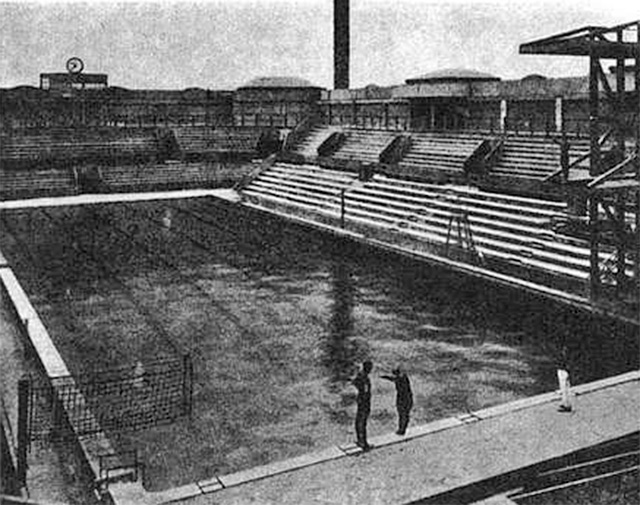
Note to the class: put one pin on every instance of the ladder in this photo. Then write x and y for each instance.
(459, 236)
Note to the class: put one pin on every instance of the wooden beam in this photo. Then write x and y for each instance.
(594, 257)
(594, 126)
(637, 223)
(613, 171)
(582, 47)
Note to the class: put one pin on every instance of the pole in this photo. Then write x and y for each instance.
(637, 223)
(594, 247)
(621, 266)
(594, 131)
(620, 92)
(594, 169)
(23, 430)
(187, 385)
(342, 207)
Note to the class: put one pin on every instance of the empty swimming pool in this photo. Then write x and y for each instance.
(276, 319)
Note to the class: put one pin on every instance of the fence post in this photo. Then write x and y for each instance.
(187, 385)
(24, 387)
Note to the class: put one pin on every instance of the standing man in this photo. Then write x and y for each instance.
(363, 384)
(404, 397)
(563, 381)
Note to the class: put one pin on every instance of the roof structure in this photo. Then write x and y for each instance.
(451, 75)
(278, 82)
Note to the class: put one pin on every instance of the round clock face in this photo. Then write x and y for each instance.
(75, 65)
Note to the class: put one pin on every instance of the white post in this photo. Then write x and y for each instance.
(503, 115)
(565, 390)
(559, 118)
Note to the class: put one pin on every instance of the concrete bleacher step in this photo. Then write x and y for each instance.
(531, 158)
(478, 194)
(509, 230)
(303, 188)
(308, 146)
(515, 210)
(325, 177)
(487, 247)
(495, 235)
(297, 196)
(14, 184)
(282, 199)
(314, 171)
(69, 144)
(529, 225)
(364, 145)
(438, 234)
(510, 238)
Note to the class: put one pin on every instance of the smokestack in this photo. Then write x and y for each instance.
(341, 44)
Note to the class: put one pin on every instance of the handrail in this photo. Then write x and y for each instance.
(561, 170)
(484, 156)
(248, 178)
(495, 152)
(299, 130)
(331, 144)
(395, 149)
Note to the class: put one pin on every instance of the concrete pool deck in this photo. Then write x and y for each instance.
(88, 199)
(432, 459)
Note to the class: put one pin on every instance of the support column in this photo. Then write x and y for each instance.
(503, 115)
(621, 265)
(559, 119)
(594, 170)
(637, 227)
(620, 92)
(594, 127)
(594, 263)
(23, 431)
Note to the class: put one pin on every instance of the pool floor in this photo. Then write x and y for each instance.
(277, 319)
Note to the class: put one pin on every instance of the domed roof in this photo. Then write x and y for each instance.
(534, 77)
(278, 82)
(452, 74)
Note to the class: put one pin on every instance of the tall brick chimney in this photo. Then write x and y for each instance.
(341, 44)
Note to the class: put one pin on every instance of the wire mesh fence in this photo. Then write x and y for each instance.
(130, 398)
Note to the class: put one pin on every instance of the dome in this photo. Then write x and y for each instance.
(278, 82)
(452, 74)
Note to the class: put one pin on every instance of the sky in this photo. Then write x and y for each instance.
(222, 44)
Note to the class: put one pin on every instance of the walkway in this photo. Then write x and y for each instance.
(432, 459)
(226, 194)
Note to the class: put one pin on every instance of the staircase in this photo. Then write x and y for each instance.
(534, 158)
(439, 156)
(364, 145)
(308, 146)
(306, 187)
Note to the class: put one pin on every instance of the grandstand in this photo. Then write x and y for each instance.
(509, 233)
